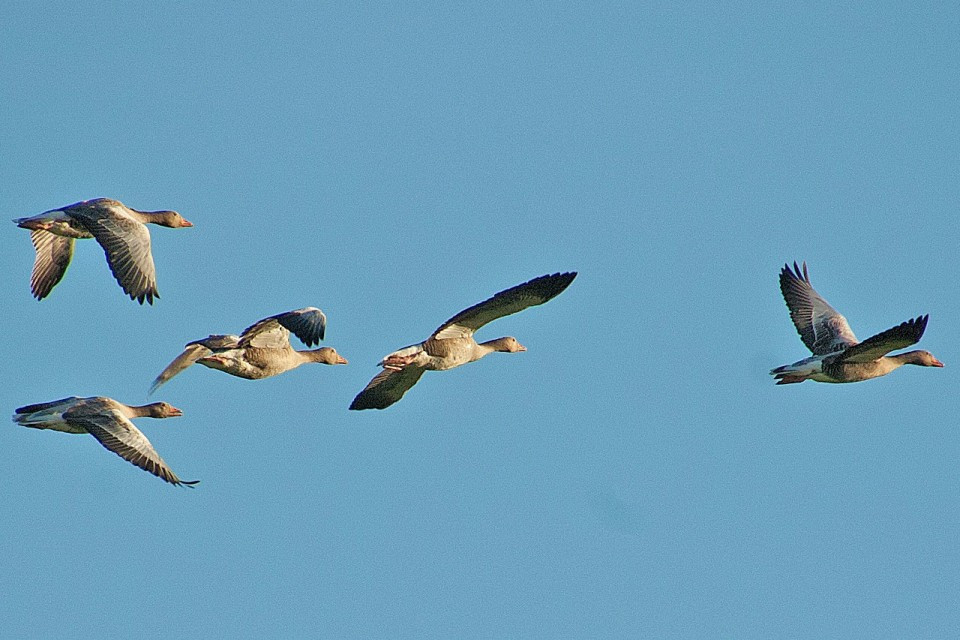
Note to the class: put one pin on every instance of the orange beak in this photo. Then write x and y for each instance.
(937, 363)
(175, 412)
(186, 223)
(341, 359)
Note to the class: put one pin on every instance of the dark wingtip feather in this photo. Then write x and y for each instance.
(305, 328)
(146, 296)
(798, 272)
(360, 403)
(554, 284)
(919, 325)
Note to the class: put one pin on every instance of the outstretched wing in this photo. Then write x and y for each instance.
(115, 432)
(387, 387)
(518, 298)
(820, 326)
(126, 243)
(900, 336)
(193, 352)
(308, 324)
(53, 257)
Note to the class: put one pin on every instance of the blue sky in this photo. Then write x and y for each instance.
(635, 473)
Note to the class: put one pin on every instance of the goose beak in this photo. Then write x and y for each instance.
(186, 223)
(174, 412)
(937, 363)
(341, 359)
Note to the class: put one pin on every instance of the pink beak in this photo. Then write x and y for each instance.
(186, 223)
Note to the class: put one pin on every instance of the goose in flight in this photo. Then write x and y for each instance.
(119, 229)
(837, 354)
(109, 422)
(452, 344)
(261, 351)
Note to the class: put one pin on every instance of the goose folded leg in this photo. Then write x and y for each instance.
(402, 357)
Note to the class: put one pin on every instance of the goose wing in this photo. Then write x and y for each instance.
(126, 243)
(62, 403)
(193, 352)
(308, 324)
(115, 432)
(509, 301)
(387, 387)
(53, 257)
(898, 337)
(820, 326)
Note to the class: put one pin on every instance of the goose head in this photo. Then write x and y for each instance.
(923, 359)
(162, 410)
(507, 344)
(327, 355)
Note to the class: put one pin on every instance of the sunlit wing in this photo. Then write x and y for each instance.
(193, 352)
(509, 301)
(820, 326)
(308, 324)
(126, 243)
(115, 432)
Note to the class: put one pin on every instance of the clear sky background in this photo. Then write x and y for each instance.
(635, 473)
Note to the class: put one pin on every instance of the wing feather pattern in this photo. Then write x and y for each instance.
(115, 432)
(507, 302)
(193, 352)
(53, 257)
(820, 326)
(387, 387)
(308, 324)
(126, 243)
(874, 347)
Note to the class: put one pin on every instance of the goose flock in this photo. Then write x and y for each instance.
(263, 349)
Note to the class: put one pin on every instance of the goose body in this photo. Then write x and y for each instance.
(453, 345)
(261, 351)
(120, 230)
(109, 421)
(254, 363)
(838, 356)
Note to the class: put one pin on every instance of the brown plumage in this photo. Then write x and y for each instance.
(453, 345)
(261, 351)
